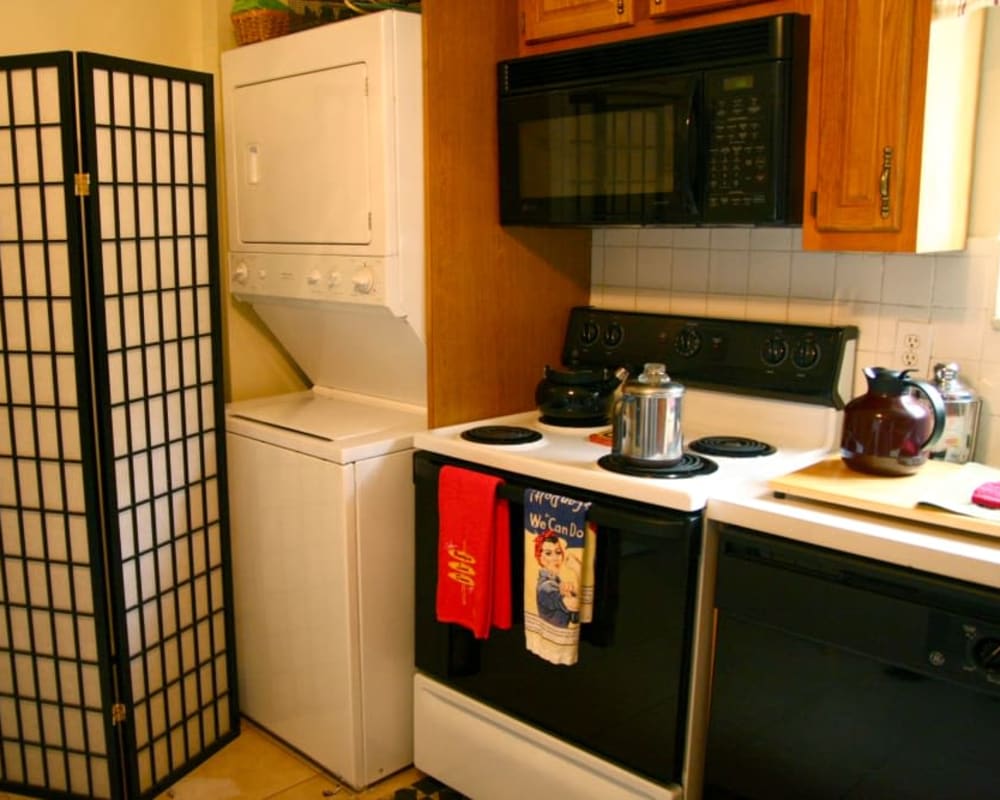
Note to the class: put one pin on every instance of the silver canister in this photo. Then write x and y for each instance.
(958, 442)
(647, 419)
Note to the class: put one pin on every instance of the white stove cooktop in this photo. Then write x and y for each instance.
(801, 433)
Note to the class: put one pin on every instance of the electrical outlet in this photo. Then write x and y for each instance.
(913, 346)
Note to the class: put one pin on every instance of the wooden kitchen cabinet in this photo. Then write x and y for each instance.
(888, 153)
(673, 8)
(557, 19)
(547, 26)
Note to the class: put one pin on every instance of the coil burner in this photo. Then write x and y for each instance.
(501, 435)
(731, 446)
(689, 466)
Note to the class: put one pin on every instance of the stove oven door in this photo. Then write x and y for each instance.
(625, 700)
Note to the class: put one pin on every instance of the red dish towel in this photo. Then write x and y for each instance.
(473, 587)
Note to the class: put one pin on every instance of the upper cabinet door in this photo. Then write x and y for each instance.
(554, 19)
(870, 116)
(672, 8)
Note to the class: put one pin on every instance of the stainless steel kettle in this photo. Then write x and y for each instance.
(646, 419)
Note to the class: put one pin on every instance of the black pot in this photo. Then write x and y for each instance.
(578, 397)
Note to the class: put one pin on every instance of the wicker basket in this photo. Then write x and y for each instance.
(259, 24)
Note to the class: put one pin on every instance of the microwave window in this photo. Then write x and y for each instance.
(620, 153)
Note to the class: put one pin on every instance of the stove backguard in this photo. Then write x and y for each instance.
(778, 360)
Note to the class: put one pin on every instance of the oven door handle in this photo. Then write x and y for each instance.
(666, 524)
(662, 523)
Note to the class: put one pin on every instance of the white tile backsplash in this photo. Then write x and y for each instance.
(763, 274)
(654, 267)
(728, 271)
(813, 275)
(858, 277)
(908, 280)
(770, 273)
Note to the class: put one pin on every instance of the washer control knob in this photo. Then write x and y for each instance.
(333, 279)
(241, 274)
(313, 277)
(363, 280)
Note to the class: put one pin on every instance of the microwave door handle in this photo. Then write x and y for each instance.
(690, 178)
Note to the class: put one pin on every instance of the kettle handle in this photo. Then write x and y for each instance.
(619, 425)
(930, 391)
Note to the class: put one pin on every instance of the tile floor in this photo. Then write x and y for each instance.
(256, 767)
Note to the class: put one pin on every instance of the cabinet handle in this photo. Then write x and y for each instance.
(883, 183)
(621, 6)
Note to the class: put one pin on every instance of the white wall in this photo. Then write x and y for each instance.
(764, 274)
(180, 33)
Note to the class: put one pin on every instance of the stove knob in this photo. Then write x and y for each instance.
(806, 354)
(986, 654)
(613, 335)
(590, 332)
(688, 342)
(774, 351)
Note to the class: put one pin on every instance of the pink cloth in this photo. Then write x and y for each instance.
(987, 495)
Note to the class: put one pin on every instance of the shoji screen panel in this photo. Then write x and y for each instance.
(148, 144)
(55, 649)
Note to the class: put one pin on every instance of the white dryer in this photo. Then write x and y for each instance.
(324, 166)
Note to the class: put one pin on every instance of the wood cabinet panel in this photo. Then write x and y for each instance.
(891, 127)
(870, 51)
(647, 19)
(554, 19)
(497, 298)
(670, 8)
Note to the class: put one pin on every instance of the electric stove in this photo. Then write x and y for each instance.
(761, 399)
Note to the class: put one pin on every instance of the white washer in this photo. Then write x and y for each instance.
(321, 503)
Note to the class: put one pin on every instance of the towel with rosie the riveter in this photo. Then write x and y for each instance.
(559, 545)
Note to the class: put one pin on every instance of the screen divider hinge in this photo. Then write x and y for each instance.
(81, 184)
(118, 714)
(813, 203)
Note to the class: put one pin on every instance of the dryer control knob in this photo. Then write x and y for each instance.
(313, 277)
(363, 280)
(241, 273)
(333, 279)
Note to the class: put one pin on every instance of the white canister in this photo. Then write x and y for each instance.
(958, 441)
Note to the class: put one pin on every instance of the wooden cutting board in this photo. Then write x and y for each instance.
(938, 494)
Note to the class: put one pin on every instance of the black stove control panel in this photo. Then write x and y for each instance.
(804, 363)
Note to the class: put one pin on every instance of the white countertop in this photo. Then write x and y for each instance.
(970, 557)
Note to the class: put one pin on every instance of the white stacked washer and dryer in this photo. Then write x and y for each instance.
(324, 177)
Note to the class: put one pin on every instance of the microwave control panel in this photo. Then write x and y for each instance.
(745, 158)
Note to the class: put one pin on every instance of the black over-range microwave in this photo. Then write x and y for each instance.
(701, 127)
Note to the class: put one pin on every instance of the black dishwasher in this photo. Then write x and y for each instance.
(837, 676)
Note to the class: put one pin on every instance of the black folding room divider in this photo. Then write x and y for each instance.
(117, 672)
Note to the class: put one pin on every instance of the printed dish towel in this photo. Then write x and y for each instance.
(559, 550)
(473, 586)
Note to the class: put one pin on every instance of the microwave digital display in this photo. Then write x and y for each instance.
(735, 83)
